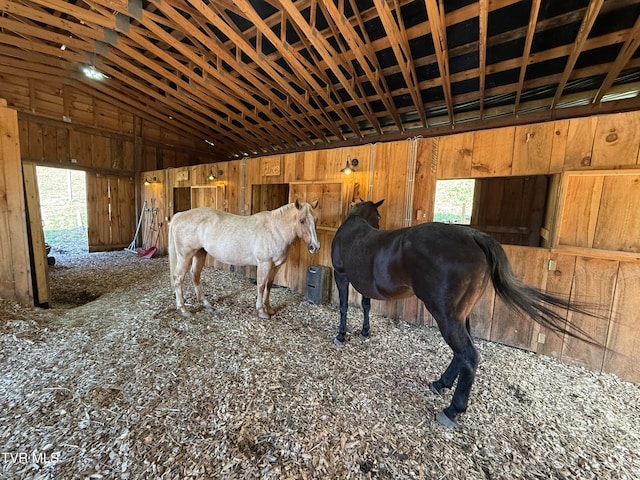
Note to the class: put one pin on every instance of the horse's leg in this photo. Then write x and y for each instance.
(463, 366)
(182, 267)
(267, 294)
(197, 264)
(366, 307)
(262, 281)
(450, 374)
(343, 291)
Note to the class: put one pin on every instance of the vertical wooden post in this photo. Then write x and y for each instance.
(37, 249)
(15, 273)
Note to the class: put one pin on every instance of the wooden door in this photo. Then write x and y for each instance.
(110, 211)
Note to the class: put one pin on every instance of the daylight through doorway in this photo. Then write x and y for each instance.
(63, 206)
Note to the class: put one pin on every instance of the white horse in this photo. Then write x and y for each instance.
(262, 240)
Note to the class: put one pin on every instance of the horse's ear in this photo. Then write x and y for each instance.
(297, 204)
(314, 204)
(379, 203)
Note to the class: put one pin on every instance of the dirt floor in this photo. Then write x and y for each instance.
(111, 382)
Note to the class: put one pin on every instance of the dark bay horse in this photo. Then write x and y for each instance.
(447, 267)
(262, 239)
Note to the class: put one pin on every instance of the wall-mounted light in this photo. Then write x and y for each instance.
(149, 181)
(350, 166)
(212, 176)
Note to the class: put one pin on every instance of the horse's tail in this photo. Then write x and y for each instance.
(535, 303)
(172, 247)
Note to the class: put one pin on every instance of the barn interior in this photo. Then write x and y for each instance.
(245, 105)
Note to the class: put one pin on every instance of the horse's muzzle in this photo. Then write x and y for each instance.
(313, 248)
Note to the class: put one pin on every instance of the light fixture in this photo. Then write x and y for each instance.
(148, 181)
(93, 73)
(211, 175)
(349, 167)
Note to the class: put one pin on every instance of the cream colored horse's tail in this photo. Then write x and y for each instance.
(172, 248)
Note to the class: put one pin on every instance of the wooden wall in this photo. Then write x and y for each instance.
(404, 173)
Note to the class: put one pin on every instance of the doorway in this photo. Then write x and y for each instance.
(63, 207)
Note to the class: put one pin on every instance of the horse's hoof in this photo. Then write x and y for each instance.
(207, 304)
(338, 343)
(264, 315)
(445, 421)
(364, 338)
(185, 313)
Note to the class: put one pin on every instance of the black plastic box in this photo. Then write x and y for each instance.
(318, 284)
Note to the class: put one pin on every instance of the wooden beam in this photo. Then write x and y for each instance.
(329, 55)
(589, 19)
(483, 20)
(397, 36)
(531, 30)
(626, 52)
(439, 34)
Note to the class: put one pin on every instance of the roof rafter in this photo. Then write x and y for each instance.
(439, 33)
(589, 19)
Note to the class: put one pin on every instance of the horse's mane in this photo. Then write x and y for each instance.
(281, 210)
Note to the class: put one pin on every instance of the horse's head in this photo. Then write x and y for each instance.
(368, 211)
(306, 225)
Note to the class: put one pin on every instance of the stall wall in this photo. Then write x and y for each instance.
(404, 173)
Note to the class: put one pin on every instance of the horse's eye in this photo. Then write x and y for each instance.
(302, 221)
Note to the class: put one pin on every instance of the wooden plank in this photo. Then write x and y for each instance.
(594, 282)
(492, 152)
(205, 196)
(80, 148)
(616, 141)
(101, 158)
(481, 317)
(49, 138)
(580, 142)
(559, 281)
(532, 149)
(559, 146)
(618, 223)
(289, 167)
(122, 211)
(23, 131)
(330, 205)
(7, 284)
(390, 182)
(623, 341)
(455, 153)
(98, 225)
(579, 205)
(424, 189)
(16, 276)
(62, 145)
(36, 142)
(551, 211)
(508, 326)
(39, 266)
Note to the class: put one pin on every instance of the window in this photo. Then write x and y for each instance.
(510, 209)
(454, 201)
